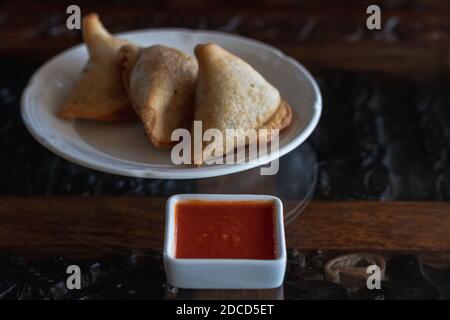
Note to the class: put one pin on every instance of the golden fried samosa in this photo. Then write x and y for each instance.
(230, 94)
(99, 93)
(160, 82)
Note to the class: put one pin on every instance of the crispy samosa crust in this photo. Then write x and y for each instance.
(281, 119)
(230, 94)
(160, 82)
(99, 93)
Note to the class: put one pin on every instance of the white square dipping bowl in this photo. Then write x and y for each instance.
(224, 273)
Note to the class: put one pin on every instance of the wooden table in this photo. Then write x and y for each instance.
(324, 35)
(100, 226)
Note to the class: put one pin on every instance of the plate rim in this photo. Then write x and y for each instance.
(182, 173)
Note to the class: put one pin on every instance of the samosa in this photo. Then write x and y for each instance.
(230, 94)
(99, 93)
(160, 82)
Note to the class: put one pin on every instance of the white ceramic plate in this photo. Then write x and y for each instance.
(122, 148)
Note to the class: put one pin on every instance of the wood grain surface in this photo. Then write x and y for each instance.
(98, 226)
(323, 35)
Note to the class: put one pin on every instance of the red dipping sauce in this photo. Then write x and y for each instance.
(225, 229)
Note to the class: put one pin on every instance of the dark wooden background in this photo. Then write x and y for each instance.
(323, 35)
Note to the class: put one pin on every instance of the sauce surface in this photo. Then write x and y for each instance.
(225, 229)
